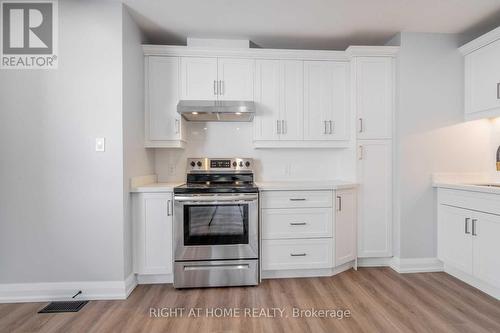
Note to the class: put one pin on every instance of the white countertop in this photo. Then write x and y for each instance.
(467, 187)
(305, 185)
(155, 187)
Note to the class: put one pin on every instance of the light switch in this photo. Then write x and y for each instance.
(100, 144)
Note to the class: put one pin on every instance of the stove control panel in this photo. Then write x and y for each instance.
(205, 164)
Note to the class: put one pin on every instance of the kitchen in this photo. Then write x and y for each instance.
(346, 174)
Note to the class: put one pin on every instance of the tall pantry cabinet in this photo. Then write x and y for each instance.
(373, 102)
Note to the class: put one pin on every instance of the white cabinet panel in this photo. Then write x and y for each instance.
(454, 237)
(297, 223)
(267, 99)
(297, 254)
(198, 78)
(374, 96)
(482, 76)
(236, 79)
(486, 248)
(345, 234)
(326, 100)
(375, 198)
(153, 233)
(296, 199)
(292, 96)
(163, 125)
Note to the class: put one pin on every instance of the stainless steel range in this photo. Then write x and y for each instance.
(216, 224)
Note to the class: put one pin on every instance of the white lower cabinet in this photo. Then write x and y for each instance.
(468, 239)
(299, 230)
(152, 225)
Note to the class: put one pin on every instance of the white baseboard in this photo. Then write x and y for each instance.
(469, 279)
(155, 278)
(301, 273)
(404, 265)
(60, 291)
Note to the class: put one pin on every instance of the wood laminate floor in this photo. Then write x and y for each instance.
(379, 300)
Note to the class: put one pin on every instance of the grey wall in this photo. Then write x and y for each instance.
(137, 161)
(61, 203)
(431, 135)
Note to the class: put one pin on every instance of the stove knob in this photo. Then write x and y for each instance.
(241, 164)
(235, 164)
(198, 164)
(193, 164)
(247, 164)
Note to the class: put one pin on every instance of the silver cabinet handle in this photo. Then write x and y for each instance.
(297, 223)
(474, 231)
(177, 127)
(498, 90)
(467, 225)
(361, 125)
(298, 254)
(215, 87)
(361, 153)
(330, 126)
(168, 208)
(283, 127)
(339, 198)
(325, 130)
(297, 199)
(278, 127)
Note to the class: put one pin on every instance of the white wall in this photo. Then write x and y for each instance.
(431, 134)
(137, 161)
(235, 140)
(61, 203)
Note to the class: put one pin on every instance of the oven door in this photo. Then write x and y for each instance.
(216, 227)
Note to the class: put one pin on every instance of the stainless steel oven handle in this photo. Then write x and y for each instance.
(217, 267)
(217, 198)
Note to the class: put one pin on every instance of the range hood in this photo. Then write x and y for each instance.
(216, 110)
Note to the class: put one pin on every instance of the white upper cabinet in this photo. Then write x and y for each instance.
(217, 78)
(374, 96)
(482, 76)
(199, 78)
(236, 79)
(375, 198)
(163, 125)
(482, 70)
(326, 100)
(279, 100)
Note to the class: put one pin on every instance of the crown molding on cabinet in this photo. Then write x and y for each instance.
(371, 51)
(480, 42)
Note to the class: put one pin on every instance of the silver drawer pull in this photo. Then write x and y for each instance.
(298, 254)
(297, 199)
(298, 223)
(217, 267)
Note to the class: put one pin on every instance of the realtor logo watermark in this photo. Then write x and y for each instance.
(29, 34)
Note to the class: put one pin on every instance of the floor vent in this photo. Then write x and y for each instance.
(57, 307)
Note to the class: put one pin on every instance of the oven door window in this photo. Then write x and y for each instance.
(215, 224)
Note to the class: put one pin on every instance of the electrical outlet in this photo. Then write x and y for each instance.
(100, 144)
(171, 169)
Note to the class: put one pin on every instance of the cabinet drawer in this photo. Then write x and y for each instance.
(297, 254)
(297, 223)
(297, 199)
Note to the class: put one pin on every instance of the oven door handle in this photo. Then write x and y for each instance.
(214, 198)
(216, 267)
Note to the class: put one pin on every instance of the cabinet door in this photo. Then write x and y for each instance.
(486, 248)
(375, 198)
(236, 78)
(325, 100)
(198, 78)
(483, 79)
(374, 96)
(163, 123)
(292, 105)
(267, 100)
(345, 227)
(153, 250)
(454, 241)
